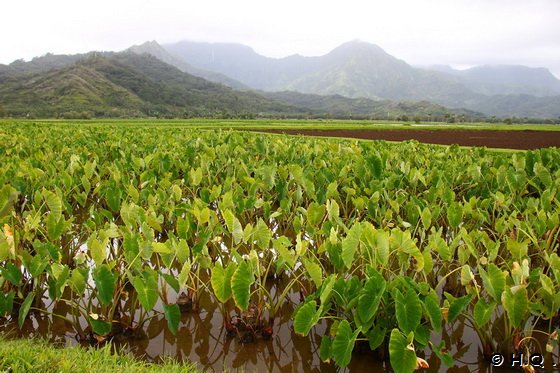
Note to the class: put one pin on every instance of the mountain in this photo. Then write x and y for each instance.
(505, 79)
(130, 84)
(156, 50)
(362, 70)
(337, 106)
(124, 84)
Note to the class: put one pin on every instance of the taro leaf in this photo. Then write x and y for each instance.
(406, 245)
(494, 281)
(146, 289)
(325, 349)
(98, 326)
(517, 249)
(262, 234)
(7, 197)
(343, 343)
(221, 281)
(97, 249)
(456, 306)
(241, 285)
(376, 166)
(12, 273)
(315, 213)
(401, 352)
(233, 225)
(408, 310)
(184, 274)
(376, 336)
(24, 309)
(173, 316)
(516, 304)
(6, 303)
(306, 317)
(113, 198)
(105, 283)
(433, 311)
(54, 203)
(350, 244)
(369, 298)
(454, 214)
(57, 282)
(161, 248)
(443, 356)
(314, 271)
(483, 312)
(78, 280)
(326, 290)
(285, 254)
(55, 228)
(37, 265)
(172, 281)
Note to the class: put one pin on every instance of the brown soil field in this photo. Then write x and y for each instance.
(490, 138)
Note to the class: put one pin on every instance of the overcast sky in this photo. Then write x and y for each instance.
(461, 33)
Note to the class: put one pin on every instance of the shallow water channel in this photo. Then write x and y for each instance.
(202, 339)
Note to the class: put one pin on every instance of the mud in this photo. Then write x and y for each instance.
(522, 140)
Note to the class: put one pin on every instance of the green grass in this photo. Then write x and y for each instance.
(290, 124)
(37, 355)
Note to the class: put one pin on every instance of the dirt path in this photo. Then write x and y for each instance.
(488, 138)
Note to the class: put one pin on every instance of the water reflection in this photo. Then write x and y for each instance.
(202, 339)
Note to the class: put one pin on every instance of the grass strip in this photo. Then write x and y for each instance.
(38, 355)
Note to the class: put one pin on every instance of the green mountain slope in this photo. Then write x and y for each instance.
(362, 70)
(125, 84)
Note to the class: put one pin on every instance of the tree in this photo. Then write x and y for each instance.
(2, 111)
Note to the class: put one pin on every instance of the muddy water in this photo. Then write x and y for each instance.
(201, 339)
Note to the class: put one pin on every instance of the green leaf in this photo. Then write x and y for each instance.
(12, 273)
(350, 244)
(306, 317)
(494, 281)
(376, 336)
(343, 343)
(262, 234)
(54, 203)
(483, 312)
(326, 290)
(443, 356)
(55, 227)
(454, 214)
(433, 311)
(146, 288)
(7, 197)
(78, 280)
(516, 303)
(99, 326)
(221, 281)
(370, 297)
(172, 281)
(315, 213)
(105, 283)
(233, 225)
(401, 352)
(314, 271)
(408, 310)
(325, 349)
(241, 285)
(24, 309)
(456, 306)
(173, 316)
(6, 303)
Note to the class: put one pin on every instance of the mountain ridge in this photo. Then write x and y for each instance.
(360, 69)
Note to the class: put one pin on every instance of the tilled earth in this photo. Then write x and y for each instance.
(489, 138)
